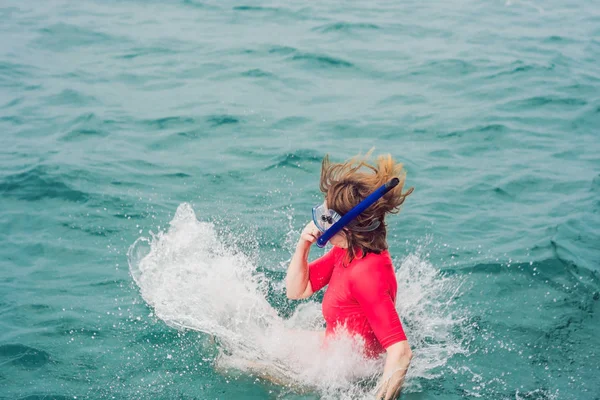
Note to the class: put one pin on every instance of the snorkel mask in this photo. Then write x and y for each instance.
(324, 218)
(330, 222)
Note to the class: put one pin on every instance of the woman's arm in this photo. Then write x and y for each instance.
(397, 362)
(297, 283)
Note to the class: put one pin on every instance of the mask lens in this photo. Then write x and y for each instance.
(324, 217)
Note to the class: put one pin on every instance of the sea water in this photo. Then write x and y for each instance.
(159, 160)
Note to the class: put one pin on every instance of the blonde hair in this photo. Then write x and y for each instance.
(347, 184)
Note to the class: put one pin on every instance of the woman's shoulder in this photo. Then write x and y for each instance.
(373, 272)
(382, 257)
(337, 252)
(336, 255)
(374, 263)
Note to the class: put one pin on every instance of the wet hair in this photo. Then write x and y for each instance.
(347, 184)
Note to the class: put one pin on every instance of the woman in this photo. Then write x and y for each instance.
(361, 290)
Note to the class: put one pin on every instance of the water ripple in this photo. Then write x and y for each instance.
(71, 97)
(296, 160)
(22, 356)
(170, 122)
(257, 73)
(284, 50)
(220, 120)
(39, 183)
(322, 61)
(346, 27)
(62, 37)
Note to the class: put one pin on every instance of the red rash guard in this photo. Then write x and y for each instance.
(361, 296)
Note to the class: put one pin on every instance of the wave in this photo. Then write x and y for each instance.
(71, 97)
(257, 73)
(223, 119)
(86, 126)
(274, 12)
(45, 396)
(189, 125)
(12, 103)
(138, 52)
(322, 61)
(346, 27)
(520, 67)
(62, 36)
(284, 50)
(290, 122)
(444, 67)
(295, 159)
(12, 119)
(23, 356)
(14, 75)
(39, 183)
(489, 128)
(540, 101)
(170, 122)
(589, 119)
(255, 8)
(198, 4)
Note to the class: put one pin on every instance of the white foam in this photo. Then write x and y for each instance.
(194, 280)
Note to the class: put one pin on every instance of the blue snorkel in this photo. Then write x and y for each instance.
(356, 211)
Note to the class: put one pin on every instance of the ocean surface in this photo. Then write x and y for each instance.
(158, 160)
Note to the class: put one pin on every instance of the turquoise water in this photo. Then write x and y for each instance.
(124, 123)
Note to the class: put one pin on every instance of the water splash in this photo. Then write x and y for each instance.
(194, 280)
(424, 304)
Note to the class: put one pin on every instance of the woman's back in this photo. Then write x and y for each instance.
(360, 297)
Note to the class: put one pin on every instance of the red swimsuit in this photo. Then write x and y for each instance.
(361, 296)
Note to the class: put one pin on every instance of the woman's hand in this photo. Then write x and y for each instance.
(396, 364)
(392, 387)
(309, 234)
